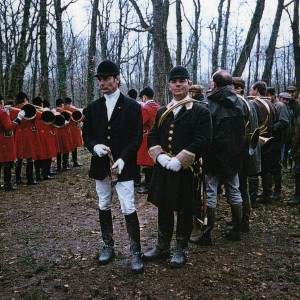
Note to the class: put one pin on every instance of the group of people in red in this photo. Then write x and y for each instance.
(35, 140)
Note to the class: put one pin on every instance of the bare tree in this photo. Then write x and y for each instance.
(161, 55)
(267, 73)
(224, 44)
(215, 50)
(92, 52)
(179, 32)
(43, 50)
(252, 32)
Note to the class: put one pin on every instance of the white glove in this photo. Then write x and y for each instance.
(101, 150)
(119, 164)
(174, 164)
(163, 159)
(21, 115)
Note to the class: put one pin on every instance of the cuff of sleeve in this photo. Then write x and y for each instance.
(186, 158)
(155, 151)
(17, 121)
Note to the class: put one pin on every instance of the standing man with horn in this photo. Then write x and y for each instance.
(113, 127)
(224, 158)
(180, 135)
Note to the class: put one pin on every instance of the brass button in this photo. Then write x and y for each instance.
(170, 138)
(108, 127)
(172, 125)
(169, 146)
(171, 132)
(108, 137)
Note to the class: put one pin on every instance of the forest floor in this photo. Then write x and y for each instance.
(50, 240)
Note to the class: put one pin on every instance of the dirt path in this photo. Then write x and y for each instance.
(50, 238)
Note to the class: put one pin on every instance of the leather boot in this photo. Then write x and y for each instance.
(253, 184)
(29, 172)
(246, 210)
(58, 162)
(106, 225)
(46, 169)
(235, 233)
(296, 199)
(75, 159)
(266, 180)
(165, 231)
(183, 233)
(7, 178)
(204, 238)
(18, 169)
(133, 230)
(37, 168)
(65, 162)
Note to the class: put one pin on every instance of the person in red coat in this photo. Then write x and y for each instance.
(75, 132)
(27, 142)
(149, 109)
(64, 139)
(7, 144)
(47, 138)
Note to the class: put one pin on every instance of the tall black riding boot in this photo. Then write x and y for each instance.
(46, 169)
(58, 162)
(253, 184)
(7, 178)
(165, 231)
(75, 159)
(106, 226)
(133, 230)
(246, 210)
(38, 165)
(148, 171)
(18, 169)
(235, 233)
(183, 233)
(65, 162)
(277, 178)
(266, 180)
(29, 172)
(204, 238)
(296, 199)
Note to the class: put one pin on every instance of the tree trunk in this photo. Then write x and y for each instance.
(215, 50)
(43, 50)
(179, 32)
(92, 53)
(161, 56)
(224, 46)
(267, 73)
(16, 84)
(296, 43)
(245, 54)
(61, 76)
(257, 56)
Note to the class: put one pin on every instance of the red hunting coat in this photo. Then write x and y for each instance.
(149, 110)
(7, 142)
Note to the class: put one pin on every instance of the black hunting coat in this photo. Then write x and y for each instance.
(123, 134)
(190, 130)
(228, 140)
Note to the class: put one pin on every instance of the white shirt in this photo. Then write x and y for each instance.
(111, 101)
(177, 109)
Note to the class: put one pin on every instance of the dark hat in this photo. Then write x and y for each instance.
(285, 95)
(271, 90)
(107, 68)
(196, 88)
(59, 102)
(291, 88)
(147, 91)
(238, 82)
(20, 97)
(37, 101)
(132, 93)
(179, 72)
